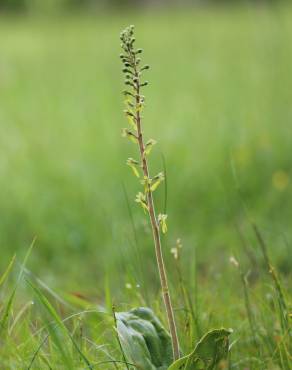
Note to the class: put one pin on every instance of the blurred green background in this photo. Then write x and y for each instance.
(59, 6)
(219, 104)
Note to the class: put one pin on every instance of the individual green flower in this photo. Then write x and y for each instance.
(149, 146)
(133, 164)
(129, 134)
(146, 182)
(140, 107)
(156, 181)
(162, 222)
(131, 117)
(141, 199)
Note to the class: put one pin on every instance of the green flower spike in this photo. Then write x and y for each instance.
(135, 103)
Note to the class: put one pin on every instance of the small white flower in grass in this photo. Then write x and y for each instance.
(234, 262)
(128, 286)
(162, 222)
(174, 252)
(179, 243)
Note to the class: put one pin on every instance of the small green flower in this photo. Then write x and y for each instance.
(146, 182)
(141, 199)
(129, 134)
(162, 222)
(156, 181)
(133, 164)
(149, 146)
(131, 119)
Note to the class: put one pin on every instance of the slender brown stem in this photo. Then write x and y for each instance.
(156, 235)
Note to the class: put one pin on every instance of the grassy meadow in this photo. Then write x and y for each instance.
(219, 105)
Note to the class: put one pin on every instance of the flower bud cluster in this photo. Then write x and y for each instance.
(135, 102)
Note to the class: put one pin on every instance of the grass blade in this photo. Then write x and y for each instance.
(7, 271)
(52, 312)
